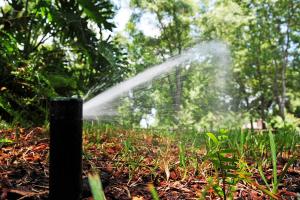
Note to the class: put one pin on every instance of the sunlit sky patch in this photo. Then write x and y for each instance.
(124, 12)
(2, 3)
(123, 15)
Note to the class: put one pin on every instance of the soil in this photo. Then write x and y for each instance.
(24, 173)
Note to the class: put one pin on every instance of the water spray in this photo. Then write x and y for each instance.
(102, 104)
(65, 149)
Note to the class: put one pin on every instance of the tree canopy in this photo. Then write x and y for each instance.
(55, 48)
(64, 48)
(263, 37)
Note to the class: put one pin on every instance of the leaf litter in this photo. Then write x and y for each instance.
(127, 161)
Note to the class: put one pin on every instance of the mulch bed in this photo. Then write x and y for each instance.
(24, 173)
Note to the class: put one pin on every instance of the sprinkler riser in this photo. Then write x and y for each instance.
(65, 168)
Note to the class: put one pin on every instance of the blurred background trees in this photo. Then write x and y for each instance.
(64, 48)
(264, 41)
(262, 82)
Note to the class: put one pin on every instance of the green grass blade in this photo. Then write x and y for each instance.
(274, 161)
(213, 138)
(96, 187)
(267, 192)
(5, 140)
(260, 170)
(285, 168)
(153, 192)
(242, 142)
(182, 157)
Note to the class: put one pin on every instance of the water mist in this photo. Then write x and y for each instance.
(103, 103)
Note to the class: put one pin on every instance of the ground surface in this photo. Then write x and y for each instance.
(126, 167)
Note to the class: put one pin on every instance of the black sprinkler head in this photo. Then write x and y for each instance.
(65, 168)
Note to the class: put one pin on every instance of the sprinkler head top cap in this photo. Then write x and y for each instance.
(66, 108)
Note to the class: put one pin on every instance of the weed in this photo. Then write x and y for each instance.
(96, 187)
(182, 159)
(153, 192)
(4, 141)
(274, 162)
(225, 162)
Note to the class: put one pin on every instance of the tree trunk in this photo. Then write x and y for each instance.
(177, 98)
(276, 87)
(283, 75)
(262, 96)
(251, 123)
(262, 111)
(283, 93)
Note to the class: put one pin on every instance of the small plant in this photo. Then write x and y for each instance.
(274, 162)
(4, 141)
(130, 157)
(3, 124)
(273, 190)
(224, 163)
(96, 187)
(128, 147)
(153, 191)
(182, 159)
(239, 140)
(226, 159)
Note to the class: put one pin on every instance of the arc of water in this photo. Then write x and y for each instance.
(95, 106)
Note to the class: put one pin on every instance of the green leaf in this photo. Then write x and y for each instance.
(216, 163)
(182, 156)
(96, 187)
(224, 131)
(231, 175)
(213, 138)
(98, 12)
(5, 140)
(153, 192)
(274, 161)
(226, 159)
(227, 151)
(260, 170)
(229, 167)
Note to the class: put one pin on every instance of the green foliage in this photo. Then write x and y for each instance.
(3, 124)
(183, 159)
(174, 22)
(224, 162)
(290, 123)
(4, 141)
(274, 162)
(227, 151)
(263, 79)
(261, 173)
(96, 187)
(263, 41)
(54, 49)
(99, 12)
(153, 192)
(224, 157)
